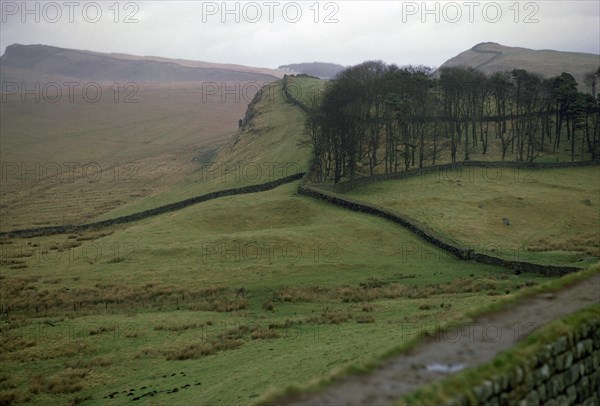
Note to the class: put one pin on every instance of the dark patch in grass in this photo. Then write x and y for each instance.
(363, 318)
(264, 334)
(65, 382)
(330, 316)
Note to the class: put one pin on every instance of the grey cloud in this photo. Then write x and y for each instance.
(365, 30)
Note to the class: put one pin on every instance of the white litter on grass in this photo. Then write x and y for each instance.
(445, 368)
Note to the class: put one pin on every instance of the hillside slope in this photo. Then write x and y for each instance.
(270, 146)
(149, 156)
(34, 62)
(490, 57)
(154, 137)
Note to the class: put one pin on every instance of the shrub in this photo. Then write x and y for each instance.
(367, 308)
(365, 319)
(65, 382)
(178, 327)
(262, 334)
(9, 397)
(331, 317)
(268, 305)
(199, 350)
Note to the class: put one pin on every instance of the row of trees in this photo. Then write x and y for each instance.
(378, 117)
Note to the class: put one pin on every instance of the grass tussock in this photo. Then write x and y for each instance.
(26, 296)
(264, 334)
(234, 333)
(10, 343)
(8, 397)
(53, 351)
(363, 319)
(14, 396)
(376, 290)
(87, 363)
(222, 304)
(331, 316)
(588, 244)
(203, 349)
(269, 306)
(286, 324)
(178, 327)
(101, 329)
(64, 382)
(93, 235)
(212, 342)
(78, 400)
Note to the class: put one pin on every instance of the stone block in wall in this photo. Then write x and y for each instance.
(559, 362)
(518, 375)
(505, 399)
(484, 391)
(495, 401)
(571, 395)
(541, 390)
(528, 382)
(588, 346)
(497, 385)
(555, 386)
(546, 354)
(583, 389)
(504, 383)
(587, 365)
(542, 374)
(593, 401)
(532, 398)
(460, 400)
(580, 333)
(560, 345)
(579, 350)
(595, 379)
(572, 374)
(596, 338)
(564, 361)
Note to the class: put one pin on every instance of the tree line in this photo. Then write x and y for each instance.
(375, 117)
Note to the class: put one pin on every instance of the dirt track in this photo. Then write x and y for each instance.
(457, 348)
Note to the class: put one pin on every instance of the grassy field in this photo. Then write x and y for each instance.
(225, 301)
(151, 308)
(553, 214)
(71, 162)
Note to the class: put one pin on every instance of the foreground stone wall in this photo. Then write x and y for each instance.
(565, 372)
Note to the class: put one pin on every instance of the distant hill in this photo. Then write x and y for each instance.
(321, 70)
(489, 57)
(41, 62)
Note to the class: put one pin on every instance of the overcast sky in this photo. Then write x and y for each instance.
(272, 33)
